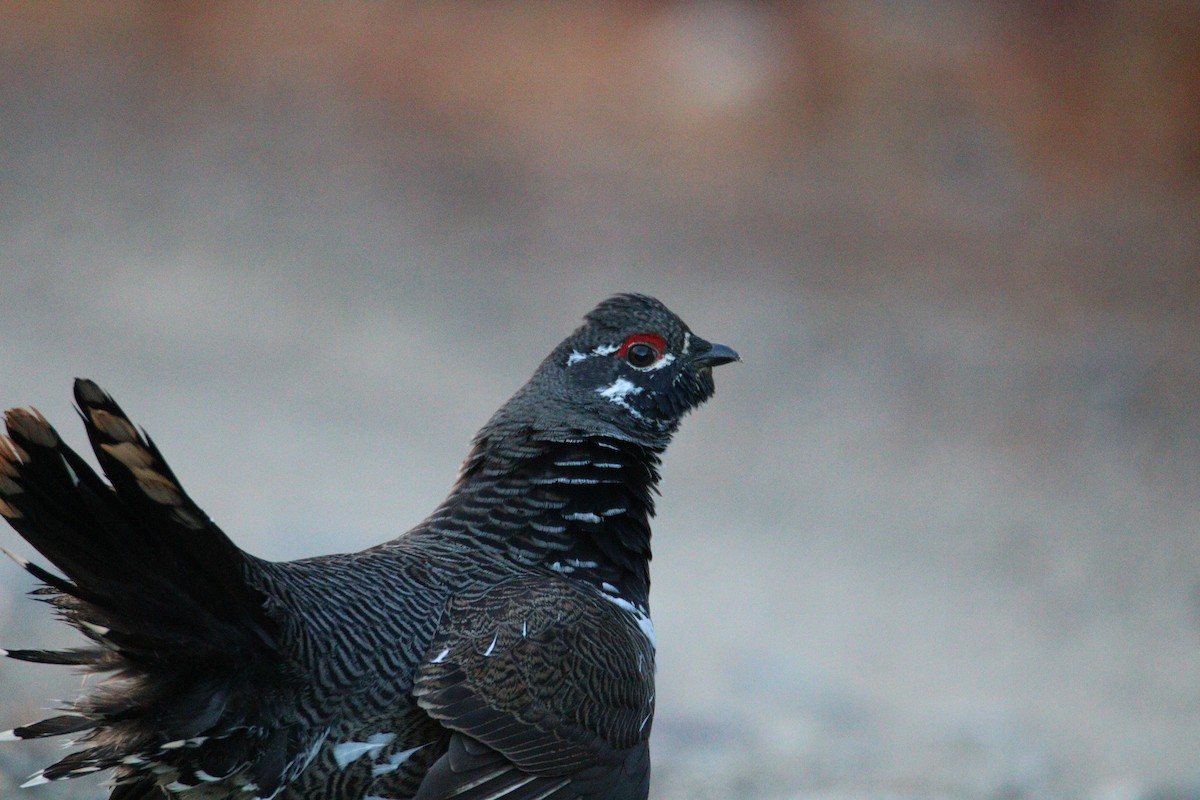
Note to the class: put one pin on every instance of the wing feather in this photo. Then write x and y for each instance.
(545, 682)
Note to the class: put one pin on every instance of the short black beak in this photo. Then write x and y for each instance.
(716, 355)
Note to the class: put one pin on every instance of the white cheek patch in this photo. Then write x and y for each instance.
(575, 358)
(617, 391)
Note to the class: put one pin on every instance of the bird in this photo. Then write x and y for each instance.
(501, 648)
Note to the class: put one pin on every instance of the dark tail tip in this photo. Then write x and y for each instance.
(88, 393)
(27, 427)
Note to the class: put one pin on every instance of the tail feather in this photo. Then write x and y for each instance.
(55, 726)
(43, 495)
(162, 592)
(54, 584)
(89, 657)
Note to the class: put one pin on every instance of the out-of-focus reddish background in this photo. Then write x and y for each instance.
(938, 536)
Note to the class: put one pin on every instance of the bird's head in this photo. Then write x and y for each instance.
(631, 371)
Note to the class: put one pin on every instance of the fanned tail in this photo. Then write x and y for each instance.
(164, 597)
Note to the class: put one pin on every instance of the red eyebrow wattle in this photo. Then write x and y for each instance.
(652, 339)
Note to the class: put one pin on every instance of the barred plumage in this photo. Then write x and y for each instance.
(500, 649)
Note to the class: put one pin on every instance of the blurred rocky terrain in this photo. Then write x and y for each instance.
(938, 536)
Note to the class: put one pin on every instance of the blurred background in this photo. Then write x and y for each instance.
(938, 536)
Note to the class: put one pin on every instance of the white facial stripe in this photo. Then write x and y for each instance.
(608, 349)
(665, 361)
(598, 350)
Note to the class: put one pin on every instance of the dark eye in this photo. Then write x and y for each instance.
(643, 350)
(641, 355)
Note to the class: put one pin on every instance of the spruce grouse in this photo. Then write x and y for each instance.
(502, 648)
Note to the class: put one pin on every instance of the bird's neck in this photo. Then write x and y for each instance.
(577, 505)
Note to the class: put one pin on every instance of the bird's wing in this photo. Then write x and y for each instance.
(549, 689)
(163, 595)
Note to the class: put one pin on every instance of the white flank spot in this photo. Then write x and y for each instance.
(8, 736)
(395, 761)
(440, 657)
(175, 745)
(346, 753)
(37, 779)
(647, 625)
(612, 512)
(561, 568)
(491, 646)
(524, 629)
(687, 342)
(575, 358)
(575, 562)
(177, 786)
(644, 623)
(302, 763)
(582, 517)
